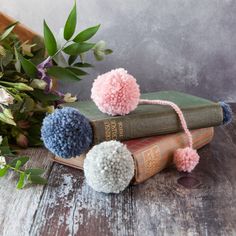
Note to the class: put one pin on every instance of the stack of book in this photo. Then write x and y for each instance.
(152, 132)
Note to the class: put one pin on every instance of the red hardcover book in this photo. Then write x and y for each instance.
(153, 154)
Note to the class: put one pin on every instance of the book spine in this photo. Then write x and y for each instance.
(151, 124)
(152, 159)
(75, 162)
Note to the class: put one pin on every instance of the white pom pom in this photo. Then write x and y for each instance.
(109, 167)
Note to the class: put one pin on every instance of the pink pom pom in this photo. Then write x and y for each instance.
(186, 159)
(116, 92)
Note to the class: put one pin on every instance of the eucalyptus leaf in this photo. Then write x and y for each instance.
(29, 68)
(70, 25)
(21, 181)
(77, 48)
(99, 55)
(108, 51)
(86, 34)
(62, 73)
(7, 31)
(49, 40)
(35, 179)
(100, 46)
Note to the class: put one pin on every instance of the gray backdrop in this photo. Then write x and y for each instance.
(186, 45)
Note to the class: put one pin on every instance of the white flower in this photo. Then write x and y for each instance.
(69, 98)
(5, 97)
(2, 162)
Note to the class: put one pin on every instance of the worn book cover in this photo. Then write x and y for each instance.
(153, 154)
(151, 120)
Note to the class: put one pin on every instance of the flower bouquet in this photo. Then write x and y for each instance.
(28, 71)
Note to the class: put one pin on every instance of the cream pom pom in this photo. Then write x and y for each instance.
(109, 167)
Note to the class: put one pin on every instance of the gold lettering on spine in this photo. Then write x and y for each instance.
(107, 130)
(113, 130)
(121, 129)
(152, 163)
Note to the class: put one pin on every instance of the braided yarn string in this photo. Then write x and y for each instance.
(177, 110)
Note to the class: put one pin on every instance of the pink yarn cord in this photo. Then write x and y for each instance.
(177, 110)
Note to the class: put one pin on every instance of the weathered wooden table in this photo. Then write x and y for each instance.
(171, 203)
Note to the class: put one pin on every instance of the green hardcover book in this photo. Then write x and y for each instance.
(150, 120)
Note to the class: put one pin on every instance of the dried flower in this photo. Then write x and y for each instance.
(22, 140)
(27, 48)
(42, 73)
(5, 97)
(69, 98)
(23, 124)
(50, 109)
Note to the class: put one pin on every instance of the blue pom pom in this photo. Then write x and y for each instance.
(227, 113)
(66, 132)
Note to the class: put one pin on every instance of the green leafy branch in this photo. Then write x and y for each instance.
(26, 96)
(75, 47)
(30, 175)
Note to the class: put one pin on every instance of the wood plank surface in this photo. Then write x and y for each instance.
(18, 207)
(170, 203)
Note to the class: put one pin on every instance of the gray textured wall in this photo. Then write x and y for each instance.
(186, 45)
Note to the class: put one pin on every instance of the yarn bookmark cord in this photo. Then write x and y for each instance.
(177, 110)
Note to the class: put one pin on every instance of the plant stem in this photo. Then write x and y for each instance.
(14, 169)
(63, 46)
(7, 83)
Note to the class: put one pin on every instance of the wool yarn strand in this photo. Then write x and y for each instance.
(178, 112)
